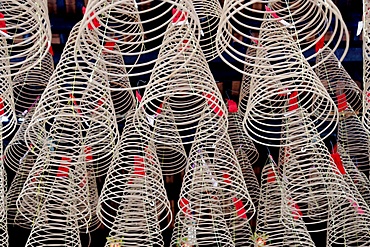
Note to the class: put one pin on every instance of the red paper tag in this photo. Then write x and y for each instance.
(178, 16)
(139, 166)
(368, 97)
(320, 44)
(75, 103)
(233, 107)
(2, 108)
(338, 162)
(239, 206)
(271, 176)
(94, 23)
(293, 101)
(159, 109)
(226, 177)
(184, 206)
(297, 211)
(87, 151)
(138, 96)
(63, 169)
(342, 102)
(212, 101)
(273, 13)
(2, 23)
(335, 148)
(51, 51)
(109, 45)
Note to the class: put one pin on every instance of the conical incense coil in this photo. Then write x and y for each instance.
(306, 21)
(70, 92)
(239, 139)
(310, 177)
(93, 221)
(15, 217)
(366, 65)
(213, 170)
(30, 84)
(135, 224)
(249, 176)
(17, 149)
(340, 86)
(135, 171)
(200, 223)
(187, 86)
(270, 230)
(134, 28)
(59, 174)
(54, 227)
(4, 237)
(173, 158)
(209, 13)
(288, 85)
(26, 27)
(354, 139)
(349, 218)
(123, 101)
(7, 111)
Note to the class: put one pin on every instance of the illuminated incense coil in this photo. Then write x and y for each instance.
(340, 86)
(26, 27)
(188, 88)
(134, 180)
(306, 21)
(134, 29)
(270, 230)
(288, 86)
(366, 65)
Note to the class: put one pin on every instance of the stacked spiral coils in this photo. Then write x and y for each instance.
(366, 65)
(133, 201)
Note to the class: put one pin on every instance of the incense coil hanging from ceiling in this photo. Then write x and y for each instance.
(286, 84)
(69, 93)
(340, 86)
(137, 28)
(26, 27)
(270, 231)
(366, 66)
(307, 23)
(134, 177)
(186, 85)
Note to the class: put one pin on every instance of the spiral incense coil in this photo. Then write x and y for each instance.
(94, 222)
(200, 223)
(287, 87)
(15, 217)
(249, 176)
(26, 27)
(4, 237)
(69, 92)
(50, 229)
(134, 180)
(366, 65)
(307, 22)
(123, 101)
(29, 85)
(17, 149)
(354, 139)
(349, 221)
(209, 13)
(270, 231)
(137, 28)
(187, 86)
(172, 158)
(136, 223)
(239, 139)
(59, 174)
(338, 82)
(213, 170)
(7, 112)
(310, 177)
(247, 78)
